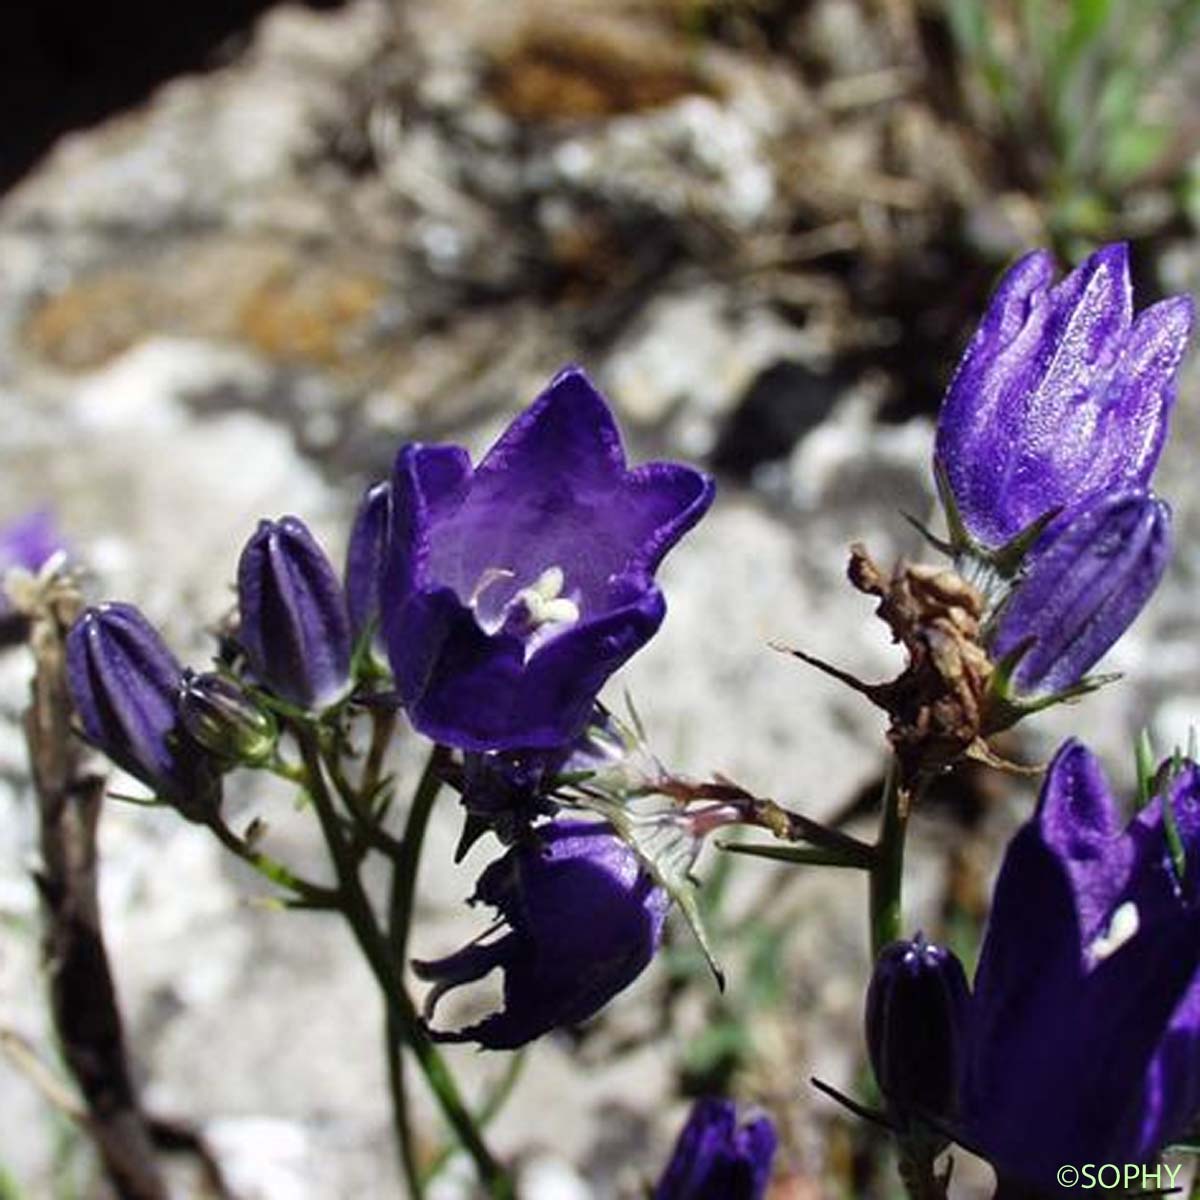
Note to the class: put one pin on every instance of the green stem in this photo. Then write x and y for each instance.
(408, 862)
(367, 830)
(383, 725)
(400, 905)
(921, 1182)
(813, 856)
(490, 1108)
(393, 1036)
(402, 1012)
(312, 894)
(887, 873)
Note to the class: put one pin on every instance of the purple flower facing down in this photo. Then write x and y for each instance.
(716, 1158)
(29, 541)
(1084, 1038)
(125, 684)
(515, 588)
(1061, 396)
(916, 1017)
(1086, 582)
(293, 622)
(365, 557)
(583, 917)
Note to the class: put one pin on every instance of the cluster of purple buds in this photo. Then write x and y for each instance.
(176, 730)
(1080, 1041)
(1046, 443)
(716, 1156)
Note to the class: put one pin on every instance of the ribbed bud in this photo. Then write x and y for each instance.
(294, 626)
(917, 1008)
(125, 686)
(1083, 590)
(365, 558)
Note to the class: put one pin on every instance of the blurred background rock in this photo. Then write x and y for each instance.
(245, 250)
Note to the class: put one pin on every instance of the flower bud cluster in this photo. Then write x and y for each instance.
(1046, 444)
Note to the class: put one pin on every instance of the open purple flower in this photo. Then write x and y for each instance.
(1061, 396)
(515, 588)
(584, 919)
(715, 1157)
(125, 685)
(1084, 1038)
(1087, 580)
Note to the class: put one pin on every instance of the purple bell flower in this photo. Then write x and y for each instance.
(584, 919)
(916, 1018)
(293, 622)
(1061, 396)
(365, 558)
(125, 684)
(715, 1157)
(1084, 1038)
(515, 588)
(1086, 582)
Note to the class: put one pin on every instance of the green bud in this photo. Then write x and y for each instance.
(225, 720)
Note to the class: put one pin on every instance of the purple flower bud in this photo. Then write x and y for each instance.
(515, 588)
(1061, 396)
(125, 686)
(365, 558)
(294, 626)
(1087, 580)
(584, 919)
(223, 719)
(1084, 1038)
(714, 1157)
(916, 1017)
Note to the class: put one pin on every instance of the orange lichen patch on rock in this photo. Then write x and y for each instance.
(310, 316)
(558, 71)
(91, 321)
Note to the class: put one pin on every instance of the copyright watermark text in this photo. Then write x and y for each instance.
(1134, 1178)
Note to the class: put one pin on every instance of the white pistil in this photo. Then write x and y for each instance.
(1121, 927)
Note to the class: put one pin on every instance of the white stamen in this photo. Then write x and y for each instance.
(549, 584)
(560, 612)
(542, 603)
(534, 613)
(1121, 927)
